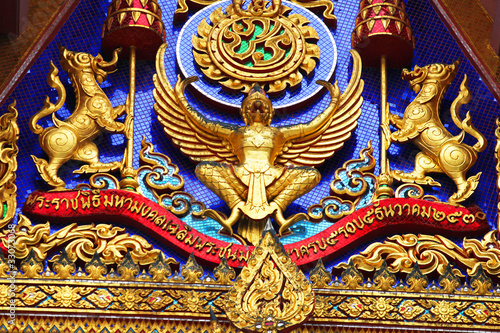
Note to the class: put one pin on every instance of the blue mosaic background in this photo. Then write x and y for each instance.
(433, 44)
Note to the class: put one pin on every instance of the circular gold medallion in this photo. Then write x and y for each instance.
(239, 49)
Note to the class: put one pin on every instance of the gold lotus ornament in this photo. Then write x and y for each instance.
(262, 44)
(271, 293)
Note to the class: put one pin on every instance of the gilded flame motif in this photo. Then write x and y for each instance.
(257, 169)
(440, 151)
(72, 138)
(9, 133)
(243, 47)
(270, 293)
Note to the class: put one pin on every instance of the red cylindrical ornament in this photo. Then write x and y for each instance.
(382, 28)
(133, 22)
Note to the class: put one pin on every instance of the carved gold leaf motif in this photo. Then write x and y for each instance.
(271, 292)
(192, 301)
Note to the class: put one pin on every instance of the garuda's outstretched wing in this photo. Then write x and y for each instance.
(316, 148)
(193, 140)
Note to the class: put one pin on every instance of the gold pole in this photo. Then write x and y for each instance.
(128, 172)
(384, 189)
(383, 113)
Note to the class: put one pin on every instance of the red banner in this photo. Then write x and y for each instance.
(389, 216)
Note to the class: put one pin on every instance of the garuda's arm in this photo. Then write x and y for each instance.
(196, 136)
(214, 127)
(313, 143)
(320, 122)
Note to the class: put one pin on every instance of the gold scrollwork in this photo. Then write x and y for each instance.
(323, 306)
(129, 299)
(81, 241)
(32, 295)
(478, 312)
(66, 296)
(192, 301)
(101, 298)
(432, 253)
(443, 311)
(409, 309)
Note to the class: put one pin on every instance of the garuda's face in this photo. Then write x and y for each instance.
(257, 108)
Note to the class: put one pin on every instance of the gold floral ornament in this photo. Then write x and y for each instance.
(262, 44)
(192, 300)
(32, 295)
(224, 274)
(319, 276)
(444, 311)
(192, 271)
(160, 270)
(271, 293)
(66, 297)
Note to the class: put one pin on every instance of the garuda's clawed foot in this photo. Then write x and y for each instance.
(287, 223)
(226, 222)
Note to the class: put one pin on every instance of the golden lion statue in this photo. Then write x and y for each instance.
(72, 138)
(440, 151)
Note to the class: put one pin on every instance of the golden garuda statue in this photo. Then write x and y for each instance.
(257, 169)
